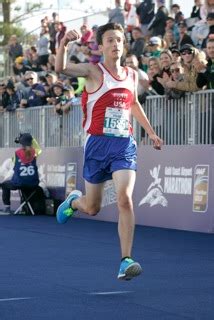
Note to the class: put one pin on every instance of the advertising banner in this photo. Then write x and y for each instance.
(174, 186)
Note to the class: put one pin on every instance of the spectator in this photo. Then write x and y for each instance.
(154, 71)
(205, 78)
(143, 79)
(53, 31)
(188, 53)
(15, 48)
(116, 15)
(206, 8)
(177, 74)
(19, 68)
(175, 8)
(34, 59)
(210, 24)
(137, 46)
(145, 12)
(155, 46)
(92, 50)
(61, 101)
(165, 63)
(60, 32)
(169, 39)
(43, 46)
(170, 25)
(36, 95)
(3, 96)
(158, 24)
(25, 172)
(13, 97)
(196, 10)
(176, 55)
(184, 38)
(86, 35)
(131, 18)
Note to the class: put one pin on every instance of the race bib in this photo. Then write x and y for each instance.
(116, 122)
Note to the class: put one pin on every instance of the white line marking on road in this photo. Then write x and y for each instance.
(110, 292)
(15, 299)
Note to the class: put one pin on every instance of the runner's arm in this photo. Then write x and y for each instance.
(70, 69)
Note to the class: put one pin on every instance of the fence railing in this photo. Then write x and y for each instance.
(188, 120)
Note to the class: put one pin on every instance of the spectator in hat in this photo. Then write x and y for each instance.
(153, 49)
(19, 68)
(188, 84)
(158, 24)
(176, 55)
(155, 44)
(61, 101)
(184, 38)
(25, 170)
(14, 97)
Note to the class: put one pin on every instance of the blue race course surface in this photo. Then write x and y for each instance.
(69, 272)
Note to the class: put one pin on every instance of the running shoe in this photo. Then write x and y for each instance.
(65, 210)
(129, 269)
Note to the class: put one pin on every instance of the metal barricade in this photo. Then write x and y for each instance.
(49, 128)
(188, 120)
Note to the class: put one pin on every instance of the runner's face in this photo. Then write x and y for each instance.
(113, 42)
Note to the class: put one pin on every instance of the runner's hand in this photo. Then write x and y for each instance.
(157, 142)
(71, 35)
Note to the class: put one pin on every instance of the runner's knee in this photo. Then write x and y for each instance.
(125, 202)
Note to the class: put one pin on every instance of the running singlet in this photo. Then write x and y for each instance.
(25, 171)
(107, 110)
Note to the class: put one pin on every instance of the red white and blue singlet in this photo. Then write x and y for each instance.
(109, 145)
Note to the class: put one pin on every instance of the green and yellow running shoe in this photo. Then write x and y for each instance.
(65, 210)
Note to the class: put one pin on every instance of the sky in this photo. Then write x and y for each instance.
(74, 9)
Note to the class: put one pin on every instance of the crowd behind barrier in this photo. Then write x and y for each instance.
(172, 54)
(178, 122)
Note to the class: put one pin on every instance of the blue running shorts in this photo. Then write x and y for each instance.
(104, 155)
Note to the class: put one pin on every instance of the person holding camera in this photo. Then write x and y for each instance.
(25, 171)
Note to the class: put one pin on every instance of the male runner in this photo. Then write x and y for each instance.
(110, 97)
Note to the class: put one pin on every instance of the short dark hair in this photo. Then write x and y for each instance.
(210, 40)
(109, 26)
